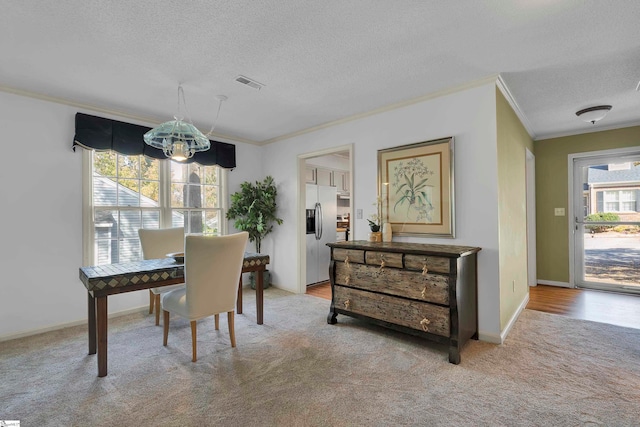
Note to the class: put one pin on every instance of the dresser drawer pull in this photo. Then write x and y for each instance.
(347, 304)
(346, 262)
(424, 292)
(425, 324)
(425, 270)
(347, 279)
(383, 264)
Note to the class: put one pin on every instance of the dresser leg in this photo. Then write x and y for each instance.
(331, 318)
(454, 355)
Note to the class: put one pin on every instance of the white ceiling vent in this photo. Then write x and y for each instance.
(249, 82)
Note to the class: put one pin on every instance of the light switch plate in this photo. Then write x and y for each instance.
(559, 211)
(359, 213)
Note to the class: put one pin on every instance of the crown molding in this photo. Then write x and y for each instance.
(121, 114)
(591, 129)
(460, 88)
(502, 85)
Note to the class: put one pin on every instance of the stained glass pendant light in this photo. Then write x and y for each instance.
(179, 139)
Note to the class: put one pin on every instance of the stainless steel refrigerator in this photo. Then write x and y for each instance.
(321, 211)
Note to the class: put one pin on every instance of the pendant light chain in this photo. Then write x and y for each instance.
(215, 121)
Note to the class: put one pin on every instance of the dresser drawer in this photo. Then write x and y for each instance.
(433, 263)
(417, 315)
(354, 255)
(410, 284)
(390, 259)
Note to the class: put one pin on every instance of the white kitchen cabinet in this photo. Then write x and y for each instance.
(324, 177)
(310, 175)
(341, 180)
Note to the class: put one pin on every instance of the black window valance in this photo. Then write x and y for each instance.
(99, 133)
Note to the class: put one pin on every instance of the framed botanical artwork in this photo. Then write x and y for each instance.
(415, 186)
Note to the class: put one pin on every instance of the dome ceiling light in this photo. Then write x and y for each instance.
(593, 114)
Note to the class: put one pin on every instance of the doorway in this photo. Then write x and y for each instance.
(323, 175)
(605, 220)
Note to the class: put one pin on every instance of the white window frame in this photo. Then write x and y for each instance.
(88, 235)
(619, 200)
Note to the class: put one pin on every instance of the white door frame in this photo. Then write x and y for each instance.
(572, 158)
(301, 198)
(530, 170)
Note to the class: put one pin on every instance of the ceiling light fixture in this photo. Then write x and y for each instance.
(178, 139)
(593, 114)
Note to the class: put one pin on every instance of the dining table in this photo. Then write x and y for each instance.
(101, 281)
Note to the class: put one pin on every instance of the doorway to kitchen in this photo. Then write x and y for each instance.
(325, 192)
(605, 220)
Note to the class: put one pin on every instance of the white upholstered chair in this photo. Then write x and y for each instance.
(213, 265)
(157, 243)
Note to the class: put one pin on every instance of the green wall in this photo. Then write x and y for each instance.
(552, 181)
(512, 140)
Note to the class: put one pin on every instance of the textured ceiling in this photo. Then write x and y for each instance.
(323, 61)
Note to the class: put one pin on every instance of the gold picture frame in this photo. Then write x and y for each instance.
(415, 186)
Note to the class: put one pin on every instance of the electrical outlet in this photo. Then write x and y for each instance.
(359, 213)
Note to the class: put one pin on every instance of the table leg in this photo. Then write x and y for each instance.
(91, 304)
(259, 297)
(239, 301)
(102, 336)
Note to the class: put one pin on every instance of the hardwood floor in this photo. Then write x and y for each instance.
(586, 304)
(323, 290)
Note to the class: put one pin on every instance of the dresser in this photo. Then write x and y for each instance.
(425, 290)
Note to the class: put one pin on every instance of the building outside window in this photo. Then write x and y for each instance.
(620, 201)
(131, 192)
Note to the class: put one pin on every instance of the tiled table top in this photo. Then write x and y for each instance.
(106, 276)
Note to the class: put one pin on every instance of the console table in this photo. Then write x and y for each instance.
(421, 289)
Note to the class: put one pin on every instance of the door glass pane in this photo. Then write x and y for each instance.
(611, 249)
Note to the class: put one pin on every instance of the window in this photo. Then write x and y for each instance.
(619, 201)
(132, 192)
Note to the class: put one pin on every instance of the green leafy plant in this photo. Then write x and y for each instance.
(601, 217)
(253, 209)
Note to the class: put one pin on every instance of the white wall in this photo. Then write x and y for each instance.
(41, 196)
(42, 201)
(470, 117)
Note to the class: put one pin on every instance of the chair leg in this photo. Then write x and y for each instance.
(193, 340)
(232, 331)
(166, 327)
(157, 302)
(151, 300)
(217, 317)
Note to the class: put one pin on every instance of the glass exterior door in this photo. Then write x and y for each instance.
(606, 200)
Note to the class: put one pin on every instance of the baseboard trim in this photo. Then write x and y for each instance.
(68, 324)
(514, 318)
(499, 339)
(554, 283)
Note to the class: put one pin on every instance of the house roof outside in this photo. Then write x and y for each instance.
(603, 174)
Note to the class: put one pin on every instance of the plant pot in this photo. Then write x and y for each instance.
(266, 279)
(375, 236)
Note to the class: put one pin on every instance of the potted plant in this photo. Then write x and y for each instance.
(374, 222)
(253, 210)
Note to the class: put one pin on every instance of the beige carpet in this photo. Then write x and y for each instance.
(296, 370)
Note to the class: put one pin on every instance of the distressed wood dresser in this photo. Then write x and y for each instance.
(425, 290)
